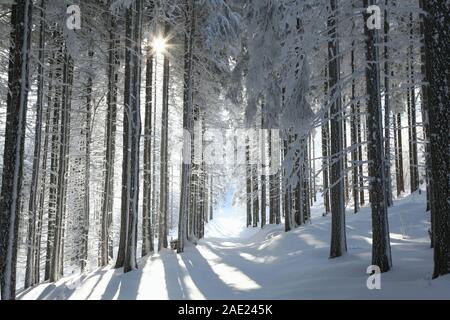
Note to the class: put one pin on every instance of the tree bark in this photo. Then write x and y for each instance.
(147, 234)
(387, 109)
(248, 172)
(325, 129)
(18, 86)
(54, 159)
(87, 168)
(437, 61)
(110, 142)
(56, 269)
(263, 163)
(381, 249)
(134, 137)
(163, 213)
(338, 237)
(425, 116)
(400, 153)
(131, 139)
(413, 168)
(188, 127)
(32, 204)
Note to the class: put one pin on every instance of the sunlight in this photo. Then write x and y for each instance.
(230, 275)
(159, 45)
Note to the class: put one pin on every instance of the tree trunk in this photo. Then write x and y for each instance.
(396, 155)
(297, 197)
(345, 160)
(312, 161)
(125, 143)
(381, 249)
(131, 139)
(387, 109)
(211, 199)
(305, 183)
(134, 136)
(360, 154)
(48, 115)
(287, 203)
(87, 168)
(353, 133)
(437, 61)
(64, 133)
(255, 182)
(163, 206)
(110, 142)
(263, 171)
(425, 117)
(147, 234)
(54, 159)
(18, 86)
(272, 182)
(248, 172)
(400, 152)
(32, 204)
(338, 237)
(414, 170)
(325, 152)
(188, 126)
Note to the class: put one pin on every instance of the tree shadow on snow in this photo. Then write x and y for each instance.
(204, 277)
(126, 284)
(176, 288)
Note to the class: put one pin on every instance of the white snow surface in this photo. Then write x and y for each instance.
(233, 262)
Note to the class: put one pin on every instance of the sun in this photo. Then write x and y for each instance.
(159, 45)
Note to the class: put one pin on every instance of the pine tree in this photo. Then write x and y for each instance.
(18, 87)
(163, 213)
(87, 166)
(248, 181)
(110, 143)
(131, 139)
(400, 180)
(54, 154)
(262, 147)
(381, 250)
(147, 234)
(387, 107)
(412, 123)
(338, 237)
(437, 61)
(30, 273)
(56, 264)
(188, 126)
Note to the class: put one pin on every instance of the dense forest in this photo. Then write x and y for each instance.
(123, 124)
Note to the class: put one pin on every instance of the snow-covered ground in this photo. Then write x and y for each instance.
(233, 262)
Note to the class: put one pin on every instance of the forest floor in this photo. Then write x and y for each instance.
(233, 262)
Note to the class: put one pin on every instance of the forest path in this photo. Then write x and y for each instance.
(234, 262)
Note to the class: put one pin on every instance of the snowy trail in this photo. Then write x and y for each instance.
(238, 263)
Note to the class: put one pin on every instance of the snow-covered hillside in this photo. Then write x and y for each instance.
(237, 263)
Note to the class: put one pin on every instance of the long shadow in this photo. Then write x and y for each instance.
(101, 275)
(113, 286)
(129, 286)
(50, 289)
(262, 272)
(258, 272)
(204, 277)
(176, 288)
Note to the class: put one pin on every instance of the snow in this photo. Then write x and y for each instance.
(233, 262)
